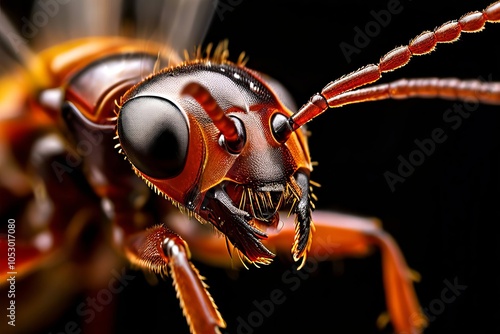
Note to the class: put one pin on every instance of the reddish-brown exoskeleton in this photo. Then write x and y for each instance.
(214, 138)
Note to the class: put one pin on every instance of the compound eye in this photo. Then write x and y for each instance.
(154, 135)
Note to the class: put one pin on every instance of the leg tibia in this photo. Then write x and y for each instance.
(339, 235)
(162, 251)
(336, 235)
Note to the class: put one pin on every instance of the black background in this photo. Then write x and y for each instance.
(443, 216)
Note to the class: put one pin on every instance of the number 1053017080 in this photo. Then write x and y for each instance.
(117, 144)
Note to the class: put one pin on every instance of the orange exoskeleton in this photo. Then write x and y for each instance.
(219, 141)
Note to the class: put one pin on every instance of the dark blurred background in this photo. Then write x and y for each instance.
(444, 214)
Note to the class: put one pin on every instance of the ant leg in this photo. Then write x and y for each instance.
(335, 236)
(162, 251)
(339, 235)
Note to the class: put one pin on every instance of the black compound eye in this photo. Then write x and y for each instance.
(154, 134)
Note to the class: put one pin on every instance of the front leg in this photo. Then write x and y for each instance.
(162, 251)
(339, 235)
(336, 236)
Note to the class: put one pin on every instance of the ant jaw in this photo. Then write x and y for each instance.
(304, 226)
(236, 224)
(245, 226)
